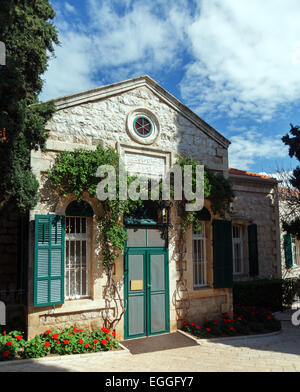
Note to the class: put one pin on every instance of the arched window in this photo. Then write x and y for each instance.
(78, 242)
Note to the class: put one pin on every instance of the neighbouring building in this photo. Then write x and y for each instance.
(162, 281)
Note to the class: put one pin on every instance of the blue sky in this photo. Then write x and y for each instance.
(235, 63)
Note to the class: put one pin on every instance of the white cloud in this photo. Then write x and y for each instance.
(249, 146)
(145, 37)
(244, 59)
(70, 8)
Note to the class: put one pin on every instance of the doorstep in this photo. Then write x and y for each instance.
(54, 358)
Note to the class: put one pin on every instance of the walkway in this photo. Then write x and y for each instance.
(279, 352)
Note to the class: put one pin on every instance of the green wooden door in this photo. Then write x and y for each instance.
(146, 287)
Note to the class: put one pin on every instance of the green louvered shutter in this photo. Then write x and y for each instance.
(223, 261)
(253, 250)
(49, 260)
(288, 251)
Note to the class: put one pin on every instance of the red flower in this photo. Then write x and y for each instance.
(95, 341)
(48, 332)
(185, 323)
(240, 318)
(197, 327)
(231, 329)
(58, 342)
(5, 354)
(107, 337)
(276, 319)
(66, 342)
(113, 333)
(19, 337)
(103, 329)
(4, 332)
(80, 330)
(9, 343)
(93, 347)
(47, 344)
(208, 329)
(192, 324)
(74, 330)
(69, 334)
(269, 318)
(104, 342)
(55, 336)
(80, 341)
(226, 315)
(86, 345)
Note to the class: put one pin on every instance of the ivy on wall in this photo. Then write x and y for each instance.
(74, 173)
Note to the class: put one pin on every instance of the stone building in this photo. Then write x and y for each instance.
(161, 281)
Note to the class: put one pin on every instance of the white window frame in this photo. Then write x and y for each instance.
(199, 259)
(69, 237)
(239, 241)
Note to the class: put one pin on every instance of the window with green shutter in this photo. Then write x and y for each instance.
(49, 260)
(222, 247)
(253, 250)
(288, 252)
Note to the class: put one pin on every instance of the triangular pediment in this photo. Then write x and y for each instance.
(145, 81)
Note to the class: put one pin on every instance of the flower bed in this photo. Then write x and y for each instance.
(246, 320)
(69, 341)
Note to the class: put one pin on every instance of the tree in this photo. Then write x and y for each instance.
(290, 194)
(26, 29)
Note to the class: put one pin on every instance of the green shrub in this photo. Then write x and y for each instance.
(69, 341)
(271, 294)
(246, 320)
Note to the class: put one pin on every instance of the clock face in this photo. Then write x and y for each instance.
(142, 127)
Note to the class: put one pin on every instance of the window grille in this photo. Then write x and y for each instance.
(199, 258)
(77, 257)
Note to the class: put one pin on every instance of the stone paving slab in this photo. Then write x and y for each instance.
(278, 353)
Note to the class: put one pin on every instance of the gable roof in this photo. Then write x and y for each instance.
(237, 172)
(141, 81)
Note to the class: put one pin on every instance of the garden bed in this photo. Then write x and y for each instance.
(52, 343)
(246, 321)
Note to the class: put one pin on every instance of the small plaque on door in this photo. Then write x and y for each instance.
(136, 285)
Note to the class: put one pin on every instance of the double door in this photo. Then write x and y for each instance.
(146, 292)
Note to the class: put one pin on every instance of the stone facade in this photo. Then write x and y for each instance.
(101, 116)
(256, 202)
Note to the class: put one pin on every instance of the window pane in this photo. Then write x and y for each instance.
(154, 238)
(136, 237)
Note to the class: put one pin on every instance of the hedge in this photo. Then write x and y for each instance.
(271, 294)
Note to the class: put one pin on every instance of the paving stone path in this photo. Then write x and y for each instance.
(277, 353)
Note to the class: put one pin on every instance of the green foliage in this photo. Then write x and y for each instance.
(69, 341)
(293, 227)
(75, 173)
(11, 344)
(272, 294)
(217, 189)
(29, 37)
(245, 321)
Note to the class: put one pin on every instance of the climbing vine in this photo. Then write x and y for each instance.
(75, 173)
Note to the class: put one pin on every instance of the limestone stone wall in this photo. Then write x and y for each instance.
(257, 202)
(92, 121)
